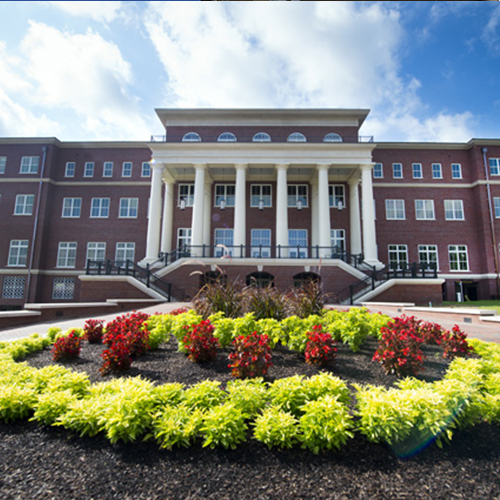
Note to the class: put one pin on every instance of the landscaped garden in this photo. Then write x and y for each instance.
(261, 396)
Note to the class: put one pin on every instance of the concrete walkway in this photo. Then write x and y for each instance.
(489, 332)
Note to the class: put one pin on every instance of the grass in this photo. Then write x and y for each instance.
(478, 304)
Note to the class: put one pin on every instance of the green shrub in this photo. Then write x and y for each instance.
(171, 394)
(225, 426)
(204, 395)
(224, 330)
(325, 424)
(249, 395)
(159, 327)
(179, 322)
(51, 405)
(276, 428)
(16, 402)
(289, 394)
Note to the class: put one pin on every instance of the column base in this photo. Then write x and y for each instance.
(375, 263)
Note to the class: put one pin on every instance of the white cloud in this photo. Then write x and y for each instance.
(491, 33)
(98, 11)
(87, 75)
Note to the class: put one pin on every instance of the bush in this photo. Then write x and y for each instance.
(431, 333)
(455, 344)
(251, 356)
(320, 348)
(200, 342)
(249, 395)
(276, 427)
(67, 347)
(93, 331)
(308, 299)
(219, 296)
(399, 348)
(268, 302)
(133, 327)
(117, 357)
(224, 426)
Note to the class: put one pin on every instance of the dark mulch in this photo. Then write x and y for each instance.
(44, 463)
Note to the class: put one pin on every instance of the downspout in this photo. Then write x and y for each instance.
(35, 225)
(492, 224)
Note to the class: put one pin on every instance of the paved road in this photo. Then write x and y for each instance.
(483, 331)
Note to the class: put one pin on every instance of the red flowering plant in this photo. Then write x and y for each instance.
(455, 344)
(200, 342)
(133, 327)
(399, 348)
(320, 348)
(117, 357)
(251, 356)
(93, 331)
(67, 347)
(179, 310)
(431, 333)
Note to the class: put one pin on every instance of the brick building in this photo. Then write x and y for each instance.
(263, 196)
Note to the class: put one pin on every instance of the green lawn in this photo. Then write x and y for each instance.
(481, 304)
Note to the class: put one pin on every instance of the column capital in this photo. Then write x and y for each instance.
(323, 166)
(281, 166)
(240, 166)
(354, 181)
(366, 166)
(200, 166)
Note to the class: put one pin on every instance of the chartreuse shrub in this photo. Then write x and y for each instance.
(249, 395)
(276, 428)
(224, 425)
(204, 395)
(159, 326)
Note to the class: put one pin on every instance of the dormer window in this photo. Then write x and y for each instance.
(332, 137)
(226, 137)
(191, 137)
(261, 137)
(296, 137)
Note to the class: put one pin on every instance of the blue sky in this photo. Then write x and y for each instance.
(429, 71)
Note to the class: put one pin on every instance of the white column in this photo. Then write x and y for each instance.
(207, 223)
(240, 209)
(168, 218)
(198, 209)
(314, 214)
(324, 224)
(367, 208)
(355, 217)
(153, 234)
(282, 209)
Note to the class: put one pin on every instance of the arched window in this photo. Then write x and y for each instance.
(191, 137)
(261, 280)
(297, 137)
(332, 137)
(261, 137)
(226, 137)
(302, 279)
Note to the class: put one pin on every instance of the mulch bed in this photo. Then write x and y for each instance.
(39, 462)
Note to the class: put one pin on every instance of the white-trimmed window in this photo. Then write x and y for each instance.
(296, 137)
(24, 204)
(332, 137)
(496, 203)
(225, 192)
(124, 252)
(127, 169)
(494, 166)
(226, 137)
(66, 254)
(63, 288)
(296, 193)
(397, 170)
(395, 209)
(29, 164)
(437, 171)
(88, 170)
(336, 196)
(146, 169)
(454, 210)
(378, 171)
(261, 193)
(225, 237)
(424, 210)
(417, 170)
(184, 237)
(261, 137)
(107, 169)
(3, 163)
(337, 238)
(71, 207)
(297, 242)
(128, 208)
(428, 254)
(13, 287)
(186, 193)
(191, 137)
(70, 169)
(398, 257)
(459, 260)
(456, 171)
(18, 253)
(99, 208)
(261, 242)
(96, 251)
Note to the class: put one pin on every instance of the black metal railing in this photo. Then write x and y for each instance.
(146, 275)
(375, 277)
(259, 252)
